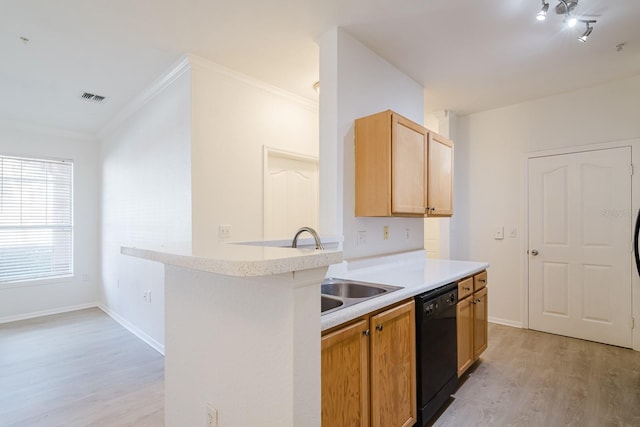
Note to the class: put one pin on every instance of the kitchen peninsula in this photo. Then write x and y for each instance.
(242, 329)
(243, 326)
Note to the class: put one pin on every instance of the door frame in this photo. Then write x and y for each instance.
(635, 206)
(268, 151)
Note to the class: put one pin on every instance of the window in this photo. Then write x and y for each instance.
(36, 219)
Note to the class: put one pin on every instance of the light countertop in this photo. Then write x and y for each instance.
(239, 260)
(410, 270)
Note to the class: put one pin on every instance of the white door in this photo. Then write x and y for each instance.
(580, 237)
(291, 194)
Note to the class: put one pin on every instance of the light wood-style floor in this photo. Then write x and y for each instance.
(84, 369)
(529, 378)
(78, 369)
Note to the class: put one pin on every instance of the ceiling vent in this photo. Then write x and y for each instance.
(93, 97)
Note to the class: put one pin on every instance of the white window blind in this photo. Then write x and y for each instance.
(36, 219)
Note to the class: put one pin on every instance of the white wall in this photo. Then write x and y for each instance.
(146, 202)
(28, 299)
(234, 117)
(356, 82)
(490, 174)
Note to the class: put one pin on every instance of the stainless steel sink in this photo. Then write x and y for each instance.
(328, 303)
(339, 293)
(351, 290)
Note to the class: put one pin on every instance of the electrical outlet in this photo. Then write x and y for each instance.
(362, 238)
(513, 233)
(212, 416)
(224, 231)
(147, 296)
(385, 232)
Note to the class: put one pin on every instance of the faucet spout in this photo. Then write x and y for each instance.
(294, 243)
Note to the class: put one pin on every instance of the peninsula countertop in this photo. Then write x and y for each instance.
(239, 260)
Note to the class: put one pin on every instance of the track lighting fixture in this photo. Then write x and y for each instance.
(542, 15)
(583, 38)
(565, 7)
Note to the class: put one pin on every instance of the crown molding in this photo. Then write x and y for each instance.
(205, 64)
(184, 64)
(166, 79)
(29, 127)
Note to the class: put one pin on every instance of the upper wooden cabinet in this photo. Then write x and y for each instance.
(440, 176)
(402, 169)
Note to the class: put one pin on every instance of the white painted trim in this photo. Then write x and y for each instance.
(42, 313)
(133, 329)
(199, 62)
(635, 206)
(161, 83)
(583, 148)
(525, 255)
(505, 322)
(46, 130)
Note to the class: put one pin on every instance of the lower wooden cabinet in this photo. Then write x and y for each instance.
(369, 371)
(345, 376)
(472, 316)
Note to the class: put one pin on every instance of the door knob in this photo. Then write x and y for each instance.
(534, 252)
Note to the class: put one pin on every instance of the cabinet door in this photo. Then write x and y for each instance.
(408, 167)
(464, 319)
(345, 376)
(393, 367)
(480, 325)
(440, 176)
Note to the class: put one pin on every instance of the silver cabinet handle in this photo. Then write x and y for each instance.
(379, 327)
(365, 333)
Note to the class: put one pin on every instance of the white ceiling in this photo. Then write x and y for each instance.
(470, 55)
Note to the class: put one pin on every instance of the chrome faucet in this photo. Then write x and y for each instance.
(294, 243)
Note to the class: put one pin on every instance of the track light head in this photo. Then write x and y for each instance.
(583, 38)
(542, 15)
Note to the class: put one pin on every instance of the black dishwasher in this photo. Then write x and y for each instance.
(436, 349)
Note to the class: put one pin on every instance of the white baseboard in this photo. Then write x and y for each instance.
(58, 310)
(505, 322)
(133, 329)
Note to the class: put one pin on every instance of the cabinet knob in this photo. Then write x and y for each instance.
(365, 333)
(534, 252)
(482, 280)
(466, 289)
(478, 300)
(379, 327)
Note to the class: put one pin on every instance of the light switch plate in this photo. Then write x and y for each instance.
(498, 233)
(224, 231)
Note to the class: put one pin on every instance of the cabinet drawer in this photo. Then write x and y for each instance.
(479, 281)
(465, 288)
